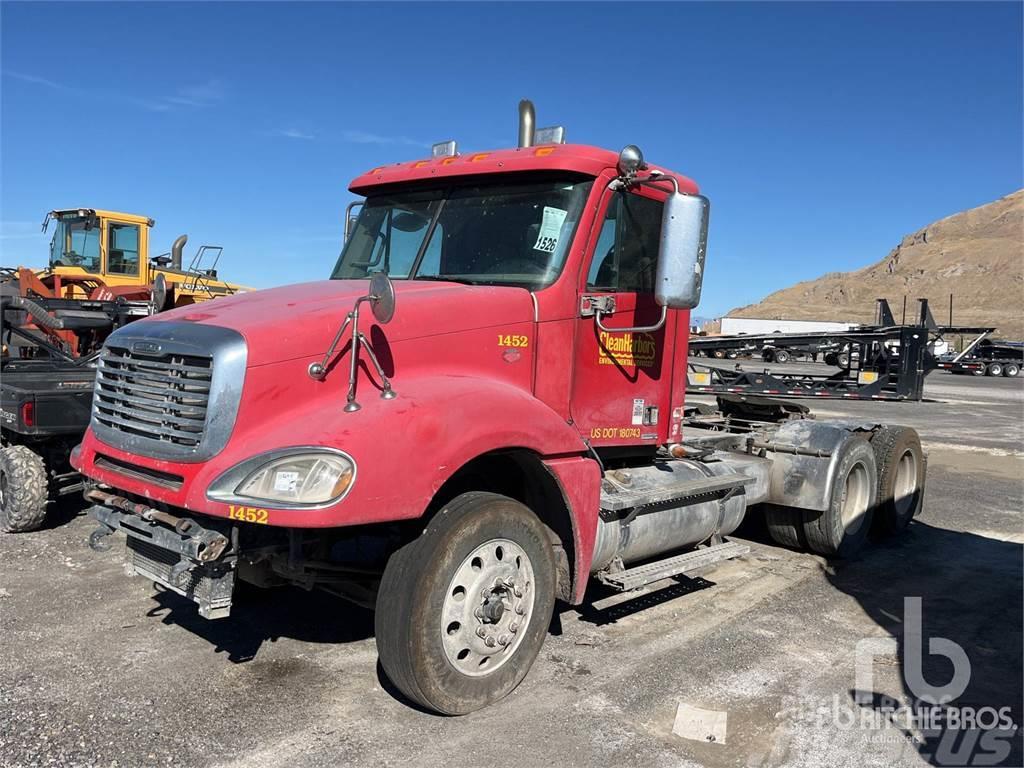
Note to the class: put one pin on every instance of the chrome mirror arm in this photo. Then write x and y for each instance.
(634, 329)
(318, 370)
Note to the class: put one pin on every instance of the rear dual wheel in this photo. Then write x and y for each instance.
(995, 369)
(879, 485)
(463, 610)
(1010, 370)
(901, 474)
(841, 529)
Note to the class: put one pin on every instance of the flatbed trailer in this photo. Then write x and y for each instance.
(885, 361)
(988, 358)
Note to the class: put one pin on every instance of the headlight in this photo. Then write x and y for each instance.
(293, 477)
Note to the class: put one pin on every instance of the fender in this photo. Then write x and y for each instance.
(405, 449)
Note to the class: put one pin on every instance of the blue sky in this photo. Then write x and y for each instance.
(821, 132)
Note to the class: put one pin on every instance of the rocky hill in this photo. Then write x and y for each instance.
(977, 255)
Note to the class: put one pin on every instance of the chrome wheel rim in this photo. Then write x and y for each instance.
(856, 495)
(905, 486)
(487, 607)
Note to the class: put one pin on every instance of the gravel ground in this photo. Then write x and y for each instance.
(98, 669)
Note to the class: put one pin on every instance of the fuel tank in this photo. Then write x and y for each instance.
(664, 526)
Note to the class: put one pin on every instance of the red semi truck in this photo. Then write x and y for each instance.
(481, 410)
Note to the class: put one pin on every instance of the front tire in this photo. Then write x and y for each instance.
(23, 489)
(463, 610)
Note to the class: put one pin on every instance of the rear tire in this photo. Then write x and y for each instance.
(785, 525)
(901, 476)
(1011, 370)
(449, 600)
(842, 529)
(23, 489)
(718, 354)
(994, 369)
(843, 360)
(781, 356)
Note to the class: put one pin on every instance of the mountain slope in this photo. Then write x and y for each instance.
(977, 255)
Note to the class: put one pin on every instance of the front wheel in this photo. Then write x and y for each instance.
(463, 609)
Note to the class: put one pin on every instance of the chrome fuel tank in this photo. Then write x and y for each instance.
(664, 525)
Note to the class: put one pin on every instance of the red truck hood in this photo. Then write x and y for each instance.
(300, 320)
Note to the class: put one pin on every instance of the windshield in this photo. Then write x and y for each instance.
(495, 234)
(76, 243)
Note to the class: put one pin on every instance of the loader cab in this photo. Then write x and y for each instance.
(95, 246)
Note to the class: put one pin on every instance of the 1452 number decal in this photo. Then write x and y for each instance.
(247, 514)
(515, 340)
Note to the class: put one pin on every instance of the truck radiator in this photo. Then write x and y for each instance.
(210, 589)
(157, 397)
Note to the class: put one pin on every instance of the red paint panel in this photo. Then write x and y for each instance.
(458, 397)
(576, 158)
(580, 481)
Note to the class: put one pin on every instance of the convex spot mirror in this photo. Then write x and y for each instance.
(382, 298)
(684, 239)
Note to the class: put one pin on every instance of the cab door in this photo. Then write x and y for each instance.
(123, 253)
(622, 377)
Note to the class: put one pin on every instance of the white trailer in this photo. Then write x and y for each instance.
(752, 326)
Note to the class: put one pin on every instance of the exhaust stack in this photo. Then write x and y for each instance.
(527, 123)
(176, 249)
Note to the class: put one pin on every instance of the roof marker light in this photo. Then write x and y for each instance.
(554, 134)
(444, 149)
(479, 156)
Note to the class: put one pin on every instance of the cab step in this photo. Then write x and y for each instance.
(680, 565)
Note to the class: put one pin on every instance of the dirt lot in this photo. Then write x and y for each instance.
(98, 669)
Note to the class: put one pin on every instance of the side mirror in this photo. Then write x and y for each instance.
(382, 298)
(684, 239)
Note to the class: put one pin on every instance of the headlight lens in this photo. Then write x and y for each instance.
(293, 477)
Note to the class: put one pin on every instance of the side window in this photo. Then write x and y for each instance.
(123, 249)
(626, 256)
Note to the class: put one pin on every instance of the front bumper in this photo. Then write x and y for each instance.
(179, 553)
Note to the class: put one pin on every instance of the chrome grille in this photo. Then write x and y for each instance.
(160, 397)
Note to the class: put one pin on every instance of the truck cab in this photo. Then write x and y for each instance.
(480, 409)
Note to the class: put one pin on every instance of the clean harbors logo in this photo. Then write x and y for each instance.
(626, 349)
